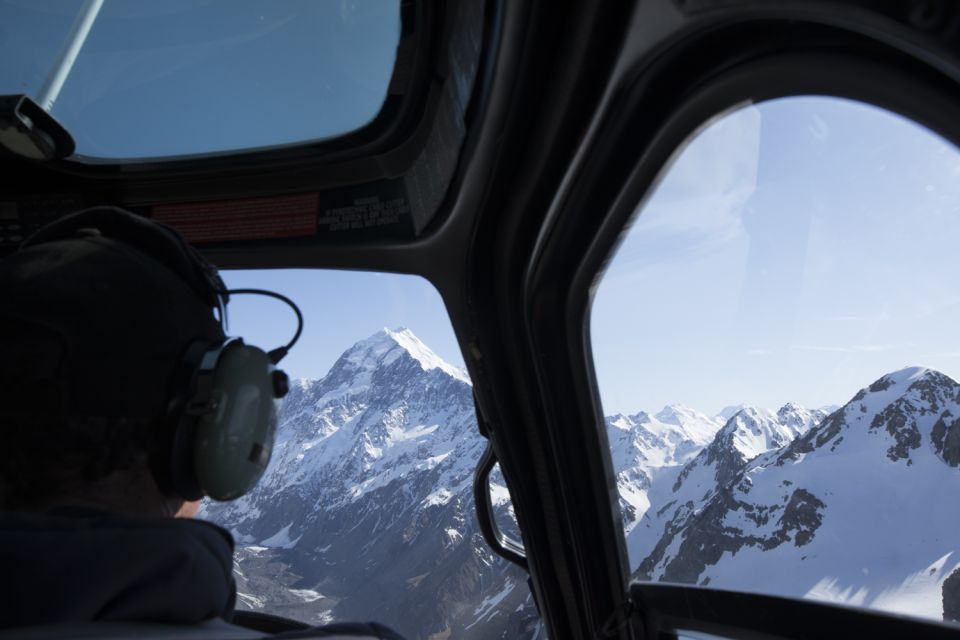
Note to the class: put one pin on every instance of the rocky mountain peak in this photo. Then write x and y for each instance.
(386, 346)
(926, 385)
(388, 363)
(676, 414)
(692, 425)
(728, 412)
(641, 417)
(753, 431)
(788, 409)
(620, 421)
(907, 375)
(905, 406)
(798, 419)
(750, 432)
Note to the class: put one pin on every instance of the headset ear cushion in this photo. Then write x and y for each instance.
(174, 466)
(154, 239)
(183, 475)
(234, 441)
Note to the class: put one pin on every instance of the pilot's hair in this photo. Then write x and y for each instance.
(46, 452)
(49, 455)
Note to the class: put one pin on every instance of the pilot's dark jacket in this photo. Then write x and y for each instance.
(75, 565)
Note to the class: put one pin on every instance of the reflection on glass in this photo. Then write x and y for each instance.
(789, 296)
(183, 77)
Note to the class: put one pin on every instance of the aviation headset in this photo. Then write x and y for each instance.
(220, 420)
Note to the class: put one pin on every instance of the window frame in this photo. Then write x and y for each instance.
(662, 108)
(454, 45)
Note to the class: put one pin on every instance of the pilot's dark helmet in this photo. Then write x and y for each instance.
(97, 311)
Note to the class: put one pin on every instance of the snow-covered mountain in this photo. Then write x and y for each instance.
(856, 509)
(643, 446)
(748, 433)
(366, 509)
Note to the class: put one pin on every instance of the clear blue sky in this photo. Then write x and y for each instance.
(339, 308)
(795, 251)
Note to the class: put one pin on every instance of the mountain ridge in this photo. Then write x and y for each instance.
(788, 522)
(367, 504)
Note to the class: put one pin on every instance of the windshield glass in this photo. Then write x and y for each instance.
(366, 510)
(776, 352)
(143, 79)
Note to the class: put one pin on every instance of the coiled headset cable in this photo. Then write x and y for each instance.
(279, 353)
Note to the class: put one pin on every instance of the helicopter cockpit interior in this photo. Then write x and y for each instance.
(565, 216)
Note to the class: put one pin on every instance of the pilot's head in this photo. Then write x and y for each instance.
(108, 323)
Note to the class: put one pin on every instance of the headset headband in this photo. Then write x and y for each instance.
(152, 238)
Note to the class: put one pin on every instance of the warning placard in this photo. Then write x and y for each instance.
(373, 210)
(243, 219)
(364, 213)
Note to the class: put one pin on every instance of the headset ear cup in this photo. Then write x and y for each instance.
(154, 239)
(223, 420)
(234, 441)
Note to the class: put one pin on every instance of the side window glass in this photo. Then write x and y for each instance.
(366, 510)
(777, 356)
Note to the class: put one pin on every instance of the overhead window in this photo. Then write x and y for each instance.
(776, 350)
(142, 79)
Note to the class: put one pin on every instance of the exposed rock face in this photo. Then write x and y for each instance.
(703, 491)
(802, 516)
(747, 434)
(844, 510)
(704, 536)
(951, 597)
(899, 422)
(946, 438)
(698, 548)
